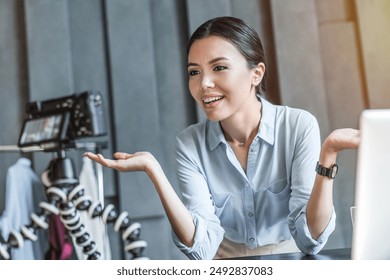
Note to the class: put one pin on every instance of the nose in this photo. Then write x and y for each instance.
(207, 82)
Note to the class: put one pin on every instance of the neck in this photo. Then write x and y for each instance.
(241, 129)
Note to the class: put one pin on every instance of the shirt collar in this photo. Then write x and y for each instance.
(267, 123)
(266, 128)
(214, 134)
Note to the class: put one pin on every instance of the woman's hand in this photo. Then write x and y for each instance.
(139, 161)
(341, 139)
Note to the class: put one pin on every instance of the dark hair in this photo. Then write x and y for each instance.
(239, 33)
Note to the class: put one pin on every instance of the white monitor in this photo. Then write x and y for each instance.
(371, 224)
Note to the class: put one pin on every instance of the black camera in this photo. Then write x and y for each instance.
(57, 123)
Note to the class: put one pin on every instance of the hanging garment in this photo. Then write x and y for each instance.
(61, 247)
(95, 227)
(22, 186)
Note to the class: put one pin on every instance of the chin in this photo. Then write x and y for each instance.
(214, 117)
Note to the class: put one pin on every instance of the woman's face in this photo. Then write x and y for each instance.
(219, 78)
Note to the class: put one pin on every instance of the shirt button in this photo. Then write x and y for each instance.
(250, 214)
(252, 240)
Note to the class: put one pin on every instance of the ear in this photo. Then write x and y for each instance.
(258, 73)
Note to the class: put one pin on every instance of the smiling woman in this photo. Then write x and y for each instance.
(247, 173)
(220, 80)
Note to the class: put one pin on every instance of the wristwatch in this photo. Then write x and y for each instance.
(327, 172)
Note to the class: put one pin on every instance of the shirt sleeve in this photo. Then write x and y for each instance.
(196, 196)
(305, 157)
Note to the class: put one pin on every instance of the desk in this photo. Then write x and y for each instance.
(331, 254)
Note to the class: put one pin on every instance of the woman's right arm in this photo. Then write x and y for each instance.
(178, 215)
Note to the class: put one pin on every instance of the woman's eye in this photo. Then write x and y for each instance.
(193, 72)
(220, 68)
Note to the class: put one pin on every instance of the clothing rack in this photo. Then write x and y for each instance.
(95, 146)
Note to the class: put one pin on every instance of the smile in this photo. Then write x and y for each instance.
(210, 100)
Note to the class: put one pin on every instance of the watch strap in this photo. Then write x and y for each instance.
(327, 172)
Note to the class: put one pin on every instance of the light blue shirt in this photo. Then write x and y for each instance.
(264, 205)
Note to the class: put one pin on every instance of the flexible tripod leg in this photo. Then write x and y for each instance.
(130, 232)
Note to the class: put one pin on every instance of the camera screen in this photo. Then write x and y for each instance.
(42, 130)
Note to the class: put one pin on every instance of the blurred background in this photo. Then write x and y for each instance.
(330, 57)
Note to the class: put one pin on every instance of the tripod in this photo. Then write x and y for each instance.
(66, 198)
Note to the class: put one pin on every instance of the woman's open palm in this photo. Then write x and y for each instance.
(123, 161)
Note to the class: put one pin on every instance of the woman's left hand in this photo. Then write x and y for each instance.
(341, 139)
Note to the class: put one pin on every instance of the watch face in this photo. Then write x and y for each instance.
(334, 171)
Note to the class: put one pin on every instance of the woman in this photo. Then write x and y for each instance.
(247, 173)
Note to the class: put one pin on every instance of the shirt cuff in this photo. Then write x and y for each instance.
(303, 237)
(205, 239)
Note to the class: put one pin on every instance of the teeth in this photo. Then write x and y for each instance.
(212, 99)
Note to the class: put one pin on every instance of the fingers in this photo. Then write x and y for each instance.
(120, 162)
(120, 155)
(110, 163)
(344, 138)
(98, 158)
(91, 156)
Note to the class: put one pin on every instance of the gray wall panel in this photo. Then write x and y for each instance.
(48, 48)
(201, 10)
(87, 45)
(299, 58)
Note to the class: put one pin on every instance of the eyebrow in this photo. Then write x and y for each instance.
(210, 62)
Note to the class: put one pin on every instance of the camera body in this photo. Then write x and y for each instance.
(60, 121)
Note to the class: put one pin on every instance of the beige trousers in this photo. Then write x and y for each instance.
(230, 249)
